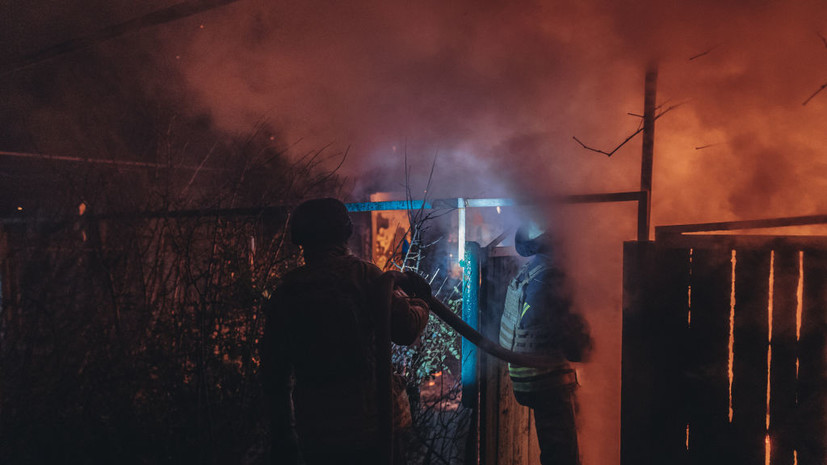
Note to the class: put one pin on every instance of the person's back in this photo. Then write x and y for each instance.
(330, 343)
(321, 333)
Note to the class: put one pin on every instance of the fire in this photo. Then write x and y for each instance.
(730, 362)
(769, 350)
(689, 297)
(799, 306)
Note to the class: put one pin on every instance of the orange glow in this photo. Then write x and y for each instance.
(767, 450)
(437, 374)
(799, 306)
(769, 337)
(795, 457)
(730, 371)
(689, 293)
(687, 436)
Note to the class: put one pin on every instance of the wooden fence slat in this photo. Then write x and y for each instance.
(636, 371)
(708, 396)
(668, 328)
(749, 387)
(812, 374)
(782, 369)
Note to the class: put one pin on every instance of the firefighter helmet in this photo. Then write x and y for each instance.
(319, 222)
(530, 240)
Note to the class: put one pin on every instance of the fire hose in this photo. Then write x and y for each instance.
(382, 303)
(465, 330)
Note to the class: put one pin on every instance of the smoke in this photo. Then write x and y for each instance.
(496, 91)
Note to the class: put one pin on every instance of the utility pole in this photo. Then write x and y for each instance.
(649, 108)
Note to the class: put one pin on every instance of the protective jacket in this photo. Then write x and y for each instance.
(532, 299)
(321, 334)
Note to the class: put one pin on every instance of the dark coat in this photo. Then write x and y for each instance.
(321, 332)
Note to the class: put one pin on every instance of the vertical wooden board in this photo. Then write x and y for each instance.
(707, 364)
(668, 330)
(521, 438)
(782, 368)
(489, 408)
(533, 444)
(497, 399)
(507, 406)
(749, 382)
(812, 374)
(636, 372)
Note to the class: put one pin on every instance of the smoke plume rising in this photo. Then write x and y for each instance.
(497, 90)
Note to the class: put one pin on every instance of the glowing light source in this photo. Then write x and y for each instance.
(687, 436)
(20, 209)
(689, 292)
(769, 353)
(730, 372)
(799, 306)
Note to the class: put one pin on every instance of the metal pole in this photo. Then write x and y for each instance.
(649, 108)
(460, 229)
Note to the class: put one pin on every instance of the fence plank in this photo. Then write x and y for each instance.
(636, 371)
(669, 333)
(782, 369)
(812, 374)
(749, 387)
(708, 382)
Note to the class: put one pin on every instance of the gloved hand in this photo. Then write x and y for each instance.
(417, 285)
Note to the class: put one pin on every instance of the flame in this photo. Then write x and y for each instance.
(799, 306)
(730, 362)
(687, 436)
(767, 449)
(689, 294)
(769, 338)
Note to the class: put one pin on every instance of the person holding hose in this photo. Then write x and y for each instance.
(538, 319)
(320, 362)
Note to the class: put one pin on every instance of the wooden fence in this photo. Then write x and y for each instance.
(724, 350)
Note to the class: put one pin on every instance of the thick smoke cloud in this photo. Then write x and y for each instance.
(496, 90)
(505, 85)
(500, 88)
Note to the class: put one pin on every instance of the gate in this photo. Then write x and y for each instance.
(724, 347)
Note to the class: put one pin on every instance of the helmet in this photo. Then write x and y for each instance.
(530, 240)
(320, 222)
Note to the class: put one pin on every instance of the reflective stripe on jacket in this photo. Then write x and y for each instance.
(532, 338)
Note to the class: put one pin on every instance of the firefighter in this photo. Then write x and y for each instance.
(537, 318)
(319, 354)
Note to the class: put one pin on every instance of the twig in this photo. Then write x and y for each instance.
(639, 130)
(705, 146)
(703, 53)
(823, 86)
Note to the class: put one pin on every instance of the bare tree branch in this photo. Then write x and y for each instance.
(823, 86)
(704, 53)
(638, 131)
